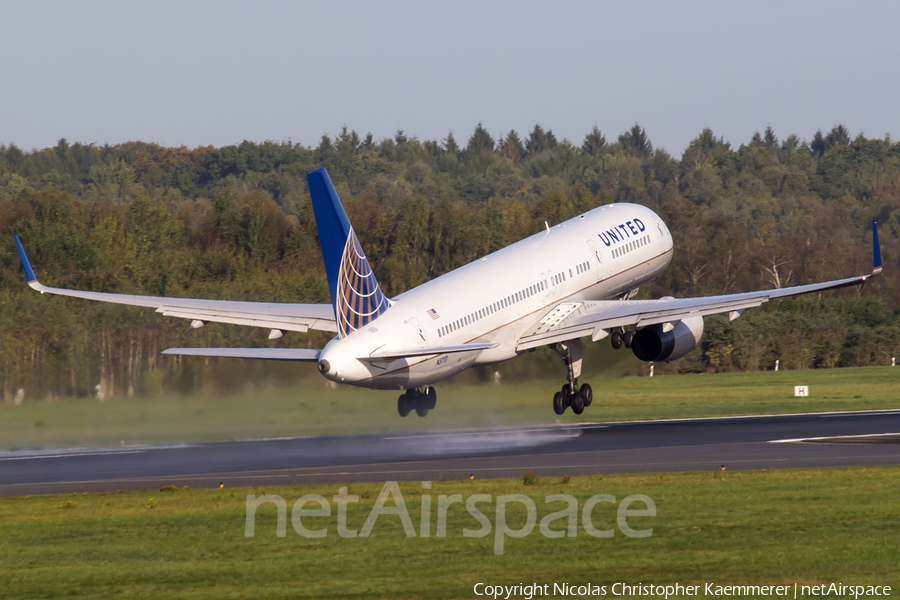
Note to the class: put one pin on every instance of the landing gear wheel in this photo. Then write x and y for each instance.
(627, 338)
(430, 398)
(616, 339)
(403, 406)
(587, 394)
(421, 406)
(559, 403)
(566, 391)
(577, 402)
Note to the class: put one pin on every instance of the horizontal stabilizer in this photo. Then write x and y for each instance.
(301, 354)
(411, 353)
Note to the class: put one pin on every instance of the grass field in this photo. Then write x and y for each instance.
(313, 408)
(762, 527)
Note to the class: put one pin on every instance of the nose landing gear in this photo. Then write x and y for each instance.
(420, 400)
(571, 394)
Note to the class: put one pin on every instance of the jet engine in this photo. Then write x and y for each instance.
(653, 344)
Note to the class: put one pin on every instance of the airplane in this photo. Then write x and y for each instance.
(568, 282)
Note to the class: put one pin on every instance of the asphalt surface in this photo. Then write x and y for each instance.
(737, 443)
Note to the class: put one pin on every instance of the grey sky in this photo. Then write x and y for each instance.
(199, 73)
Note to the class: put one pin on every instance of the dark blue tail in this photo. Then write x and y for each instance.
(355, 294)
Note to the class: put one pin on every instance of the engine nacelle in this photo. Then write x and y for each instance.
(652, 344)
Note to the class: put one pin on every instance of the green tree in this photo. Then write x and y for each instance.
(594, 143)
(539, 141)
(635, 142)
(481, 141)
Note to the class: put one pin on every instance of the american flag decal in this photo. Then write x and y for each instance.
(433, 314)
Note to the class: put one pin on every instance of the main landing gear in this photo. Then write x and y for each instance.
(420, 400)
(571, 394)
(618, 337)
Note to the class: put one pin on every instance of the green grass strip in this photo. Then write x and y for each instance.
(808, 526)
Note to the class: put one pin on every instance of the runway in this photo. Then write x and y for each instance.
(737, 443)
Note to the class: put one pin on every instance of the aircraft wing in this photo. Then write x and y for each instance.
(270, 315)
(571, 320)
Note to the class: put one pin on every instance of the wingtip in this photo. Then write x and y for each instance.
(29, 272)
(876, 248)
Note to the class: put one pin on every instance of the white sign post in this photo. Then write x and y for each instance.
(801, 390)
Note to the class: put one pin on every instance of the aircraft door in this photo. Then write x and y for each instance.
(421, 337)
(599, 265)
(663, 230)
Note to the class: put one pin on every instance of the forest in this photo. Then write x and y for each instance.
(236, 223)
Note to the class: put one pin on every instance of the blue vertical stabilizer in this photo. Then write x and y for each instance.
(355, 294)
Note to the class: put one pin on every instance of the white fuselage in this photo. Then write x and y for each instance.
(500, 297)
